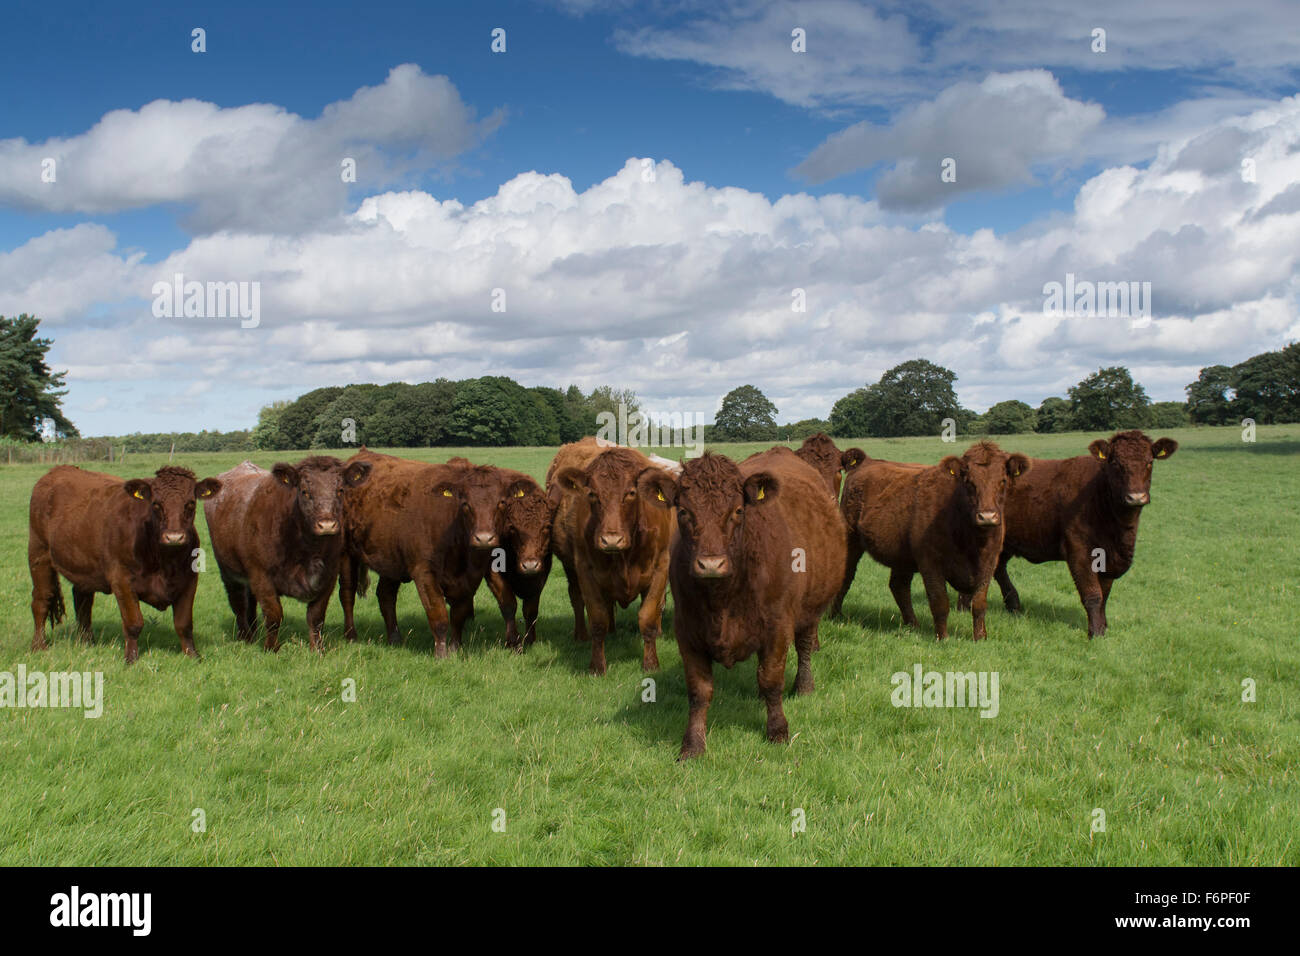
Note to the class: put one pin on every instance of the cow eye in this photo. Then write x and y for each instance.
(739, 512)
(631, 494)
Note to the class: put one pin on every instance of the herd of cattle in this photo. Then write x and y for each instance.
(756, 551)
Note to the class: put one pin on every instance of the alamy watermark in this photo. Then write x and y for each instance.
(208, 300)
(642, 429)
(947, 689)
(1084, 298)
(73, 689)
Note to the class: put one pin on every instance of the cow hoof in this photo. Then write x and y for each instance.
(597, 670)
(779, 735)
(687, 752)
(190, 652)
(40, 646)
(440, 651)
(803, 687)
(350, 636)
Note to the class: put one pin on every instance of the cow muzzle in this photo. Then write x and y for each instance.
(483, 539)
(711, 566)
(530, 566)
(1136, 499)
(326, 526)
(987, 519)
(174, 539)
(612, 542)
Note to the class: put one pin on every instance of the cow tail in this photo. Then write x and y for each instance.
(360, 577)
(57, 609)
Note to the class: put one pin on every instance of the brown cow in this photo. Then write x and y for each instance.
(1069, 509)
(946, 521)
(829, 462)
(133, 539)
(757, 560)
(612, 543)
(444, 527)
(280, 532)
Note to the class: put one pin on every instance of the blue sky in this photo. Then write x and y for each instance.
(713, 94)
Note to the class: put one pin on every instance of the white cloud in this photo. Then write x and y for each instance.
(995, 131)
(257, 166)
(682, 290)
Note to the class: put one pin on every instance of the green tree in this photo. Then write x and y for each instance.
(745, 415)
(912, 399)
(1109, 399)
(1010, 418)
(297, 423)
(1267, 387)
(1169, 415)
(266, 433)
(1053, 416)
(29, 390)
(851, 415)
(804, 428)
(1208, 398)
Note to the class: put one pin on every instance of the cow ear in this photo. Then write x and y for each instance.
(852, 458)
(207, 488)
(1017, 464)
(520, 487)
(657, 487)
(356, 473)
(571, 479)
(285, 474)
(761, 488)
(1100, 449)
(444, 489)
(138, 488)
(1163, 448)
(953, 465)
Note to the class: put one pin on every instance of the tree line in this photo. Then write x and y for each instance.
(916, 397)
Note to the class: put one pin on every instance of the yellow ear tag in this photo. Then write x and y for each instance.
(446, 493)
(762, 493)
(853, 462)
(660, 495)
(1101, 455)
(951, 472)
(139, 494)
(519, 493)
(1160, 453)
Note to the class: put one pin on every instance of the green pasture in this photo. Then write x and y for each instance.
(1146, 724)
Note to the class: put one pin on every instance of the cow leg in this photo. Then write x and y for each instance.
(435, 609)
(532, 604)
(850, 571)
(936, 589)
(241, 600)
(771, 685)
(602, 623)
(1106, 582)
(83, 602)
(500, 589)
(900, 586)
(47, 597)
(805, 642)
(1010, 596)
(386, 594)
(699, 691)
(461, 611)
(347, 597)
(183, 617)
(978, 604)
(649, 619)
(132, 619)
(1089, 588)
(264, 593)
(316, 620)
(575, 600)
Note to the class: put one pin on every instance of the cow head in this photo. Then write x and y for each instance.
(820, 452)
(527, 514)
(478, 494)
(316, 484)
(170, 497)
(610, 486)
(1126, 462)
(984, 475)
(712, 498)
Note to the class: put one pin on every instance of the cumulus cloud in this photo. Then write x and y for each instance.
(995, 131)
(248, 167)
(682, 290)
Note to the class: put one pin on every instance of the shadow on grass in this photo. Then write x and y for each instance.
(1285, 447)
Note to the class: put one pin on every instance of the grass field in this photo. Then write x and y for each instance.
(1147, 724)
